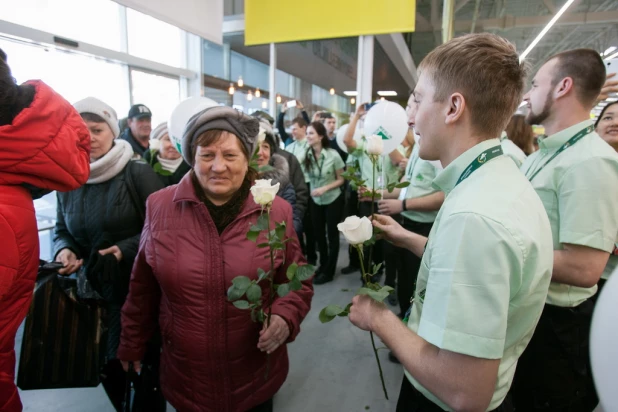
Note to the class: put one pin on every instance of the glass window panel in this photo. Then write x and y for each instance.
(93, 21)
(74, 76)
(160, 93)
(212, 59)
(155, 40)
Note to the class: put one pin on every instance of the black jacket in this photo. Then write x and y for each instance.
(281, 174)
(137, 148)
(297, 178)
(106, 212)
(166, 179)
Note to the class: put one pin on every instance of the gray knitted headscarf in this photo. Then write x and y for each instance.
(246, 128)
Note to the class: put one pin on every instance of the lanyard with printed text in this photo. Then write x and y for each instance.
(562, 148)
(483, 158)
(321, 164)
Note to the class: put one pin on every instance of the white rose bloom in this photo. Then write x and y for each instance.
(261, 135)
(375, 146)
(154, 144)
(263, 192)
(356, 230)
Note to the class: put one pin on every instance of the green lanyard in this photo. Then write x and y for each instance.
(483, 158)
(565, 146)
(321, 164)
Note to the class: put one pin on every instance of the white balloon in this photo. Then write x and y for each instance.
(181, 114)
(604, 344)
(341, 134)
(388, 120)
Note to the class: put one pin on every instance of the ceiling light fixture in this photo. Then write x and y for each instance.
(231, 90)
(389, 93)
(278, 98)
(351, 93)
(382, 98)
(352, 101)
(264, 104)
(258, 93)
(546, 29)
(249, 96)
(241, 83)
(609, 50)
(332, 91)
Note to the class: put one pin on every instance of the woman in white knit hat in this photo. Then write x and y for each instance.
(99, 226)
(164, 158)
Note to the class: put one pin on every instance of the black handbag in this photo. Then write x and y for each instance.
(64, 339)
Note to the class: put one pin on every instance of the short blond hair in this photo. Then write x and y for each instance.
(485, 69)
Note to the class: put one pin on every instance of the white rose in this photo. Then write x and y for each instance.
(356, 230)
(263, 192)
(261, 135)
(154, 144)
(375, 146)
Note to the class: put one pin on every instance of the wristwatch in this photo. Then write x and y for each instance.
(403, 205)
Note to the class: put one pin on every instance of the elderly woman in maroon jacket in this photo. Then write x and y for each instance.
(193, 244)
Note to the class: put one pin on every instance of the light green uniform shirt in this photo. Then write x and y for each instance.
(512, 150)
(323, 171)
(299, 149)
(486, 269)
(420, 173)
(578, 190)
(391, 172)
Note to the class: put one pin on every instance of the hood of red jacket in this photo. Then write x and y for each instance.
(47, 145)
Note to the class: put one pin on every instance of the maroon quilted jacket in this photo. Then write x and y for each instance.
(210, 360)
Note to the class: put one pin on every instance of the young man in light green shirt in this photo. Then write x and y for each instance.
(575, 174)
(487, 263)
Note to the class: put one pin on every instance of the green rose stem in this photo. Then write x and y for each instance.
(271, 293)
(359, 249)
(373, 199)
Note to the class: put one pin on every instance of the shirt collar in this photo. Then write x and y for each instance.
(558, 139)
(447, 179)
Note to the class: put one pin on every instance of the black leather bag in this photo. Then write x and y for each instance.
(64, 339)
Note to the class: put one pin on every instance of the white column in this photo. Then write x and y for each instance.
(364, 76)
(272, 102)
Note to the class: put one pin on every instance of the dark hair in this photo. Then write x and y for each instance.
(326, 115)
(320, 129)
(300, 121)
(212, 136)
(91, 117)
(520, 133)
(586, 68)
(270, 139)
(13, 98)
(596, 124)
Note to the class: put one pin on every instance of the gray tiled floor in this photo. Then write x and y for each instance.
(332, 368)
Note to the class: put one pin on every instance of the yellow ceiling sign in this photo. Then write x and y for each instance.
(278, 21)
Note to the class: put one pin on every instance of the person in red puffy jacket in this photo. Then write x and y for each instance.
(45, 146)
(194, 242)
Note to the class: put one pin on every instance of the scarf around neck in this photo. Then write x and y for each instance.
(224, 214)
(112, 163)
(170, 165)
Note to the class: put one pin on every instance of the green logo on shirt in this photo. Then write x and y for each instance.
(421, 296)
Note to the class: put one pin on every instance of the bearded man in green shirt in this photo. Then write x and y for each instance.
(575, 173)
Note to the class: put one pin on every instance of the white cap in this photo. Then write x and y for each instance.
(96, 106)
